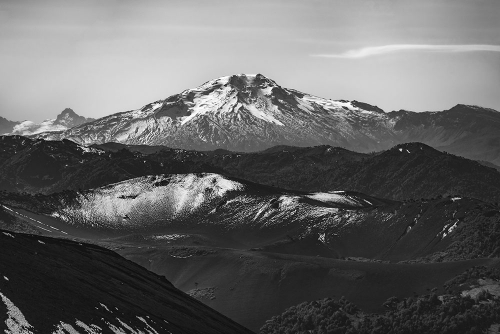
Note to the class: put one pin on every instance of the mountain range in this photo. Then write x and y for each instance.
(406, 171)
(252, 112)
(65, 120)
(283, 211)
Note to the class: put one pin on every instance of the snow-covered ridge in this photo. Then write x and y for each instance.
(149, 198)
(156, 202)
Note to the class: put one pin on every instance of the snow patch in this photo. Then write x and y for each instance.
(92, 329)
(447, 229)
(181, 257)
(64, 328)
(16, 322)
(8, 234)
(146, 323)
(321, 237)
(169, 237)
(105, 307)
(288, 202)
(262, 115)
(86, 149)
(334, 197)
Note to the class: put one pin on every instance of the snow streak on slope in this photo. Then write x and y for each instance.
(16, 322)
(339, 197)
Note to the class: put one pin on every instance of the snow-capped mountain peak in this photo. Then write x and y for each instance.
(242, 112)
(240, 96)
(250, 112)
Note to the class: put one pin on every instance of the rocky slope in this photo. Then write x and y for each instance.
(58, 286)
(252, 112)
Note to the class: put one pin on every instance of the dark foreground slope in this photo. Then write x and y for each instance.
(52, 285)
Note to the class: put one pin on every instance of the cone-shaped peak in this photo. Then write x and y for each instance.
(241, 81)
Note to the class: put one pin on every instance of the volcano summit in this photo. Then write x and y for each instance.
(251, 112)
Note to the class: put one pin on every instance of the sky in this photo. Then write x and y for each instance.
(100, 57)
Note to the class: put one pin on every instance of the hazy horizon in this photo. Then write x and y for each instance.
(99, 58)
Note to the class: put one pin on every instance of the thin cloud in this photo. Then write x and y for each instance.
(385, 49)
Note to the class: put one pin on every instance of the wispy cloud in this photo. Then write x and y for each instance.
(385, 49)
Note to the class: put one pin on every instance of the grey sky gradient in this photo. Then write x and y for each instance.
(102, 57)
(384, 49)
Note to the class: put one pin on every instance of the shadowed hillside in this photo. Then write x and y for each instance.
(407, 171)
(52, 285)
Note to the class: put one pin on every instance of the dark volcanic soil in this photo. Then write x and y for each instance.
(48, 284)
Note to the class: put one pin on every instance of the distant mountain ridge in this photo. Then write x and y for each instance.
(65, 120)
(251, 113)
(406, 171)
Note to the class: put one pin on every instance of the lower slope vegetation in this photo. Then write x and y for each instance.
(470, 304)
